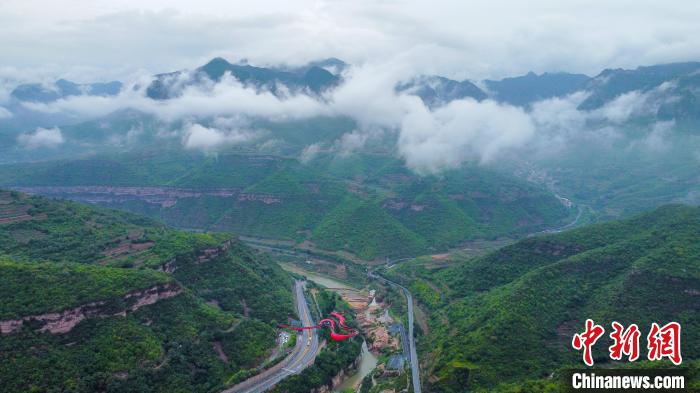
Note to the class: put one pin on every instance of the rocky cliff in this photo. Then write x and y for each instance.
(66, 320)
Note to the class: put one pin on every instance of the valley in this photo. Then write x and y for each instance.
(277, 198)
(203, 198)
(376, 324)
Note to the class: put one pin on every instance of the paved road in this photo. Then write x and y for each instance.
(302, 356)
(413, 360)
(415, 370)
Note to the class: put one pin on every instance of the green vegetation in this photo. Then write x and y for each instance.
(215, 320)
(366, 229)
(367, 204)
(509, 316)
(335, 357)
(68, 231)
(165, 347)
(242, 281)
(35, 288)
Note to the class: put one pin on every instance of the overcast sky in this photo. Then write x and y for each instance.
(102, 39)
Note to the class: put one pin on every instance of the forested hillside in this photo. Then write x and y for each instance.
(509, 316)
(98, 300)
(339, 203)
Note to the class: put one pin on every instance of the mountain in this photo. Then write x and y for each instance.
(35, 92)
(526, 89)
(523, 90)
(436, 91)
(98, 300)
(275, 197)
(333, 65)
(683, 103)
(312, 79)
(612, 83)
(509, 316)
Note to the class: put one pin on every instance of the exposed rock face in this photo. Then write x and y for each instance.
(267, 199)
(168, 267)
(394, 204)
(65, 321)
(208, 254)
(163, 196)
(151, 295)
(10, 325)
(338, 378)
(203, 256)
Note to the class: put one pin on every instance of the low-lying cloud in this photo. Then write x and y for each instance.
(4, 113)
(429, 140)
(42, 137)
(464, 130)
(197, 136)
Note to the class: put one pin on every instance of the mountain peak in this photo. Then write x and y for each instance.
(217, 61)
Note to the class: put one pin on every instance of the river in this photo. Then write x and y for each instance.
(315, 277)
(367, 364)
(367, 361)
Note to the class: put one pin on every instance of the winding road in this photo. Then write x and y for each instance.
(413, 361)
(415, 369)
(302, 356)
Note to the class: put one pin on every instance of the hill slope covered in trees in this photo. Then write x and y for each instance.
(98, 300)
(510, 316)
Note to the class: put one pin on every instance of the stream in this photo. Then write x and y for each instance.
(367, 363)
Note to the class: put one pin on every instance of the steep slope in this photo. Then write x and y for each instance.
(612, 83)
(36, 228)
(279, 197)
(194, 313)
(363, 227)
(509, 316)
(436, 90)
(311, 80)
(35, 92)
(526, 89)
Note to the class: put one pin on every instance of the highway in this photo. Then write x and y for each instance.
(413, 360)
(415, 372)
(302, 356)
(415, 369)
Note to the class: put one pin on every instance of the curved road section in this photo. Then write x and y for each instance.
(415, 371)
(302, 356)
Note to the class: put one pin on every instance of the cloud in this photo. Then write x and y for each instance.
(42, 137)
(197, 136)
(4, 113)
(310, 152)
(658, 140)
(449, 37)
(623, 107)
(352, 142)
(464, 130)
(368, 94)
(428, 140)
(228, 97)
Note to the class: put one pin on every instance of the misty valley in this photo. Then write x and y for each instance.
(435, 219)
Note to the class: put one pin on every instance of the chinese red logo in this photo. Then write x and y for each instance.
(662, 342)
(586, 340)
(625, 342)
(665, 342)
